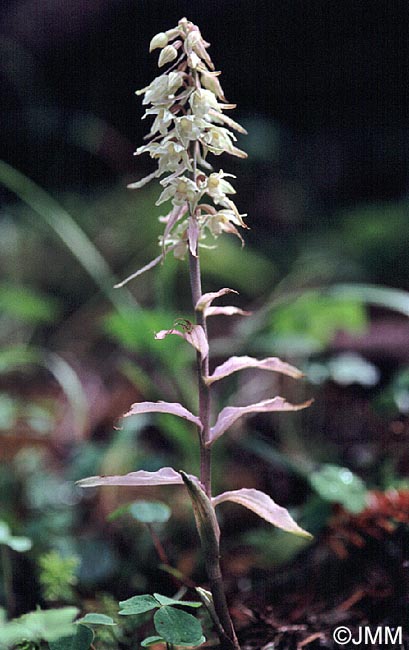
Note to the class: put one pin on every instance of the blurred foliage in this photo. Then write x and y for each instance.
(57, 577)
(76, 353)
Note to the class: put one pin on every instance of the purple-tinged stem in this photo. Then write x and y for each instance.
(202, 371)
(228, 638)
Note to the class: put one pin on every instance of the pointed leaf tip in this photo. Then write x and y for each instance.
(228, 416)
(193, 334)
(207, 298)
(172, 408)
(264, 507)
(164, 476)
(235, 364)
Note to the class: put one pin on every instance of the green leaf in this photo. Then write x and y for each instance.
(20, 544)
(47, 625)
(150, 640)
(319, 317)
(164, 600)
(138, 605)
(96, 619)
(150, 512)
(81, 640)
(26, 305)
(177, 627)
(338, 484)
(118, 512)
(4, 532)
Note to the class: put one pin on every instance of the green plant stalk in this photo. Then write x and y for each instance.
(7, 579)
(228, 640)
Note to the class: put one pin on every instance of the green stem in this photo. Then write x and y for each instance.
(7, 579)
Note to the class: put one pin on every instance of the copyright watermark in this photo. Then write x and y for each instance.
(366, 635)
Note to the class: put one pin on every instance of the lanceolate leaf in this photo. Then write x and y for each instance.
(226, 311)
(194, 334)
(164, 476)
(145, 268)
(173, 408)
(207, 298)
(230, 414)
(205, 517)
(239, 363)
(264, 507)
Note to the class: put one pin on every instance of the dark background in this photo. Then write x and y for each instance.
(333, 78)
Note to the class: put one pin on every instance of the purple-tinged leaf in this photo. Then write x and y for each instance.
(193, 232)
(149, 266)
(173, 408)
(207, 298)
(141, 478)
(205, 517)
(226, 311)
(194, 334)
(143, 181)
(172, 218)
(240, 363)
(264, 507)
(230, 414)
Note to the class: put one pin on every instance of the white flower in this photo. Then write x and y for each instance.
(188, 105)
(162, 89)
(162, 121)
(217, 187)
(188, 128)
(219, 140)
(180, 190)
(171, 155)
(202, 101)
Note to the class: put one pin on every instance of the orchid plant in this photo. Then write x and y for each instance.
(188, 106)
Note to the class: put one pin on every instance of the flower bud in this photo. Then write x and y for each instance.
(160, 40)
(168, 54)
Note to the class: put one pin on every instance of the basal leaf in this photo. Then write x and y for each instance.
(177, 627)
(173, 408)
(138, 605)
(233, 364)
(264, 507)
(230, 414)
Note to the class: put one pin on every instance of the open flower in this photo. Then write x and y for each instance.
(188, 106)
